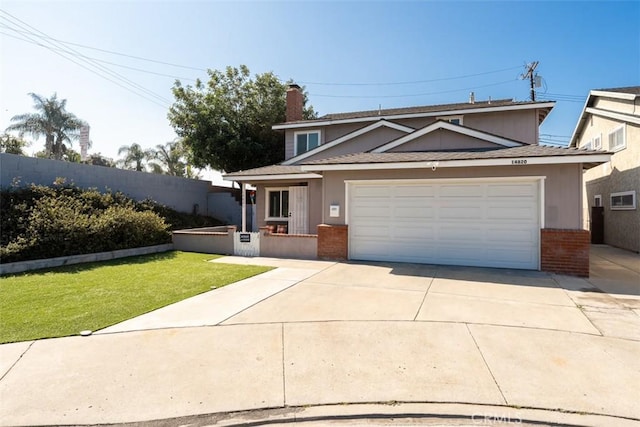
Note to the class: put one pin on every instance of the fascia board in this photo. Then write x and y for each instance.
(596, 158)
(617, 95)
(613, 115)
(347, 137)
(550, 104)
(249, 178)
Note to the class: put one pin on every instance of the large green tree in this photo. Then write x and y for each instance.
(226, 123)
(51, 120)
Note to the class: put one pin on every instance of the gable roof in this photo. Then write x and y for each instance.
(440, 124)
(532, 154)
(347, 137)
(422, 111)
(630, 93)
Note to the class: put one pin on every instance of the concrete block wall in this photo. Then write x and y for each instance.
(181, 194)
(209, 240)
(300, 246)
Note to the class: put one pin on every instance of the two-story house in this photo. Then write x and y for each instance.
(458, 184)
(610, 120)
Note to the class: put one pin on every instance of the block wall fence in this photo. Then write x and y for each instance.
(181, 194)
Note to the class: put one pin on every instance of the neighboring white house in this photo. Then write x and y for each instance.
(610, 120)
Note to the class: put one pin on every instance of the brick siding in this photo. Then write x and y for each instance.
(333, 242)
(565, 251)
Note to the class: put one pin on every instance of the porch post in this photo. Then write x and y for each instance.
(244, 207)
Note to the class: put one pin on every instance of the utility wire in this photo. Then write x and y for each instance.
(70, 53)
(410, 82)
(411, 94)
(97, 59)
(125, 55)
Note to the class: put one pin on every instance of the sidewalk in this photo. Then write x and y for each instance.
(314, 340)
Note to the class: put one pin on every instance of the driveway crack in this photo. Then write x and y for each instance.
(487, 365)
(435, 274)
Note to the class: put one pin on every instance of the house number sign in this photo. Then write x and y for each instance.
(519, 162)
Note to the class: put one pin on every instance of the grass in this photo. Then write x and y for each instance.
(66, 300)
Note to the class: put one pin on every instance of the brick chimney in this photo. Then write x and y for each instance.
(294, 103)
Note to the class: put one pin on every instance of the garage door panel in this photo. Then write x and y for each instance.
(512, 190)
(414, 233)
(460, 191)
(462, 212)
(493, 224)
(414, 191)
(524, 212)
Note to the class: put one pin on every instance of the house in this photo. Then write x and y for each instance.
(458, 184)
(610, 120)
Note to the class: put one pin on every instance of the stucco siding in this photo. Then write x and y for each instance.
(443, 139)
(520, 125)
(562, 192)
(617, 105)
(362, 143)
(622, 173)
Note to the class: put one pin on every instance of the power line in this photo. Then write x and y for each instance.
(126, 55)
(409, 82)
(412, 94)
(70, 53)
(97, 59)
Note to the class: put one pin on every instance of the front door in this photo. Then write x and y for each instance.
(298, 212)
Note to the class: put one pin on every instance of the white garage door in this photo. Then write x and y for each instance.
(472, 222)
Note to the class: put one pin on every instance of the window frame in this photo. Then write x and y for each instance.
(267, 206)
(597, 200)
(622, 128)
(598, 145)
(305, 132)
(631, 207)
(449, 118)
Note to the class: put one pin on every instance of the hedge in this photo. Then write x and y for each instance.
(43, 222)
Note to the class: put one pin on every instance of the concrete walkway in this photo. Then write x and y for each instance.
(319, 341)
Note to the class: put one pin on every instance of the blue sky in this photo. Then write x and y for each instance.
(364, 54)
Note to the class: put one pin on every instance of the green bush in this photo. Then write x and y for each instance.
(44, 222)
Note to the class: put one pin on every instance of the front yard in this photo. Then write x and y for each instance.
(67, 300)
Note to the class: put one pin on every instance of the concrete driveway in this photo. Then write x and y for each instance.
(319, 341)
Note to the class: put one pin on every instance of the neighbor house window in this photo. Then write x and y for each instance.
(277, 203)
(617, 139)
(597, 200)
(597, 142)
(625, 200)
(305, 141)
(456, 120)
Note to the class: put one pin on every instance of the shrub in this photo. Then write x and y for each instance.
(43, 222)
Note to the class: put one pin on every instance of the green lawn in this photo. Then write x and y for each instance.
(66, 300)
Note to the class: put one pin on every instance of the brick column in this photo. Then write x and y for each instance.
(333, 242)
(565, 251)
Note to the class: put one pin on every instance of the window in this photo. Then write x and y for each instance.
(617, 139)
(597, 200)
(305, 141)
(597, 142)
(625, 200)
(277, 203)
(456, 120)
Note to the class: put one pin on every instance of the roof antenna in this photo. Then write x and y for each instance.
(489, 99)
(379, 109)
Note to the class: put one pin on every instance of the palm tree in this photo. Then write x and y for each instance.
(52, 121)
(170, 159)
(134, 157)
